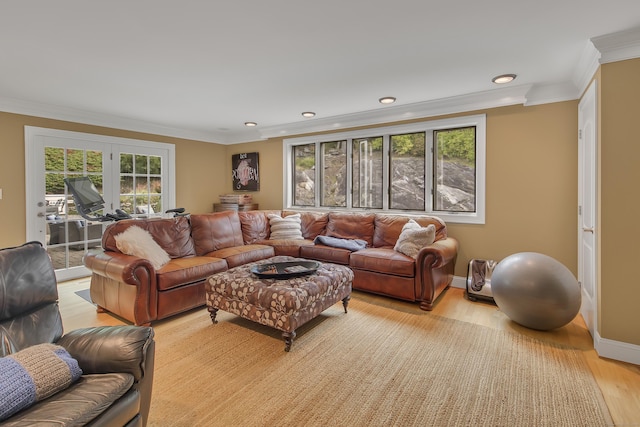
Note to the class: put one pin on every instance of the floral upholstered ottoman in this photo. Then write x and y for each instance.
(281, 304)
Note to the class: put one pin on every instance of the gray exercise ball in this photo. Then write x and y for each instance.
(536, 291)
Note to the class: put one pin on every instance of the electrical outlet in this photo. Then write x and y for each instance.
(0, 193)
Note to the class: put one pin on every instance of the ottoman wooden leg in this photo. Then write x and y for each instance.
(213, 312)
(345, 302)
(288, 339)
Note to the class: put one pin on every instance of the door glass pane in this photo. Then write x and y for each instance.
(140, 177)
(305, 174)
(407, 167)
(69, 235)
(155, 165)
(126, 163)
(455, 170)
(367, 173)
(334, 176)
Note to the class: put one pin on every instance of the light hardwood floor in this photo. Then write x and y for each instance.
(618, 381)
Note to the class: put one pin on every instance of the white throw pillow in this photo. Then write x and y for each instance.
(414, 237)
(139, 242)
(287, 228)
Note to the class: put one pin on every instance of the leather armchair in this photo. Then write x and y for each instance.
(107, 355)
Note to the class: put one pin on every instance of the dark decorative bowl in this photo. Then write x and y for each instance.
(285, 270)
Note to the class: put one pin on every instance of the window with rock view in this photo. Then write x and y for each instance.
(455, 170)
(407, 163)
(334, 173)
(429, 167)
(304, 176)
(367, 180)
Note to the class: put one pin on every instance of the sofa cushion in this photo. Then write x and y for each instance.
(286, 247)
(285, 228)
(214, 231)
(181, 271)
(243, 254)
(255, 225)
(34, 374)
(172, 234)
(326, 254)
(414, 237)
(311, 223)
(349, 225)
(383, 260)
(139, 242)
(389, 226)
(82, 402)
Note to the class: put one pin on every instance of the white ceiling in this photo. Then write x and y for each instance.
(200, 69)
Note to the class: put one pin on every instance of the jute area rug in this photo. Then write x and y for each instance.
(374, 366)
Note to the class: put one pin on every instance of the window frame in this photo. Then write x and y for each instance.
(427, 126)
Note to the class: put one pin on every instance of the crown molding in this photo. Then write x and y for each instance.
(56, 112)
(456, 104)
(618, 46)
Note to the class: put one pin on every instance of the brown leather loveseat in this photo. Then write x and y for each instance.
(205, 244)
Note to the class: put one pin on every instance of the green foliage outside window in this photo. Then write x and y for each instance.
(55, 167)
(459, 144)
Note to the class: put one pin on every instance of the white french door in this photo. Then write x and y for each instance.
(587, 208)
(136, 176)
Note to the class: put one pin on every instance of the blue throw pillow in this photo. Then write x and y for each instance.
(33, 374)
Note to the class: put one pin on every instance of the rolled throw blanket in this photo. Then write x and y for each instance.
(349, 244)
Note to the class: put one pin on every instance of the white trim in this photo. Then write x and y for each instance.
(477, 120)
(57, 112)
(617, 350)
(459, 282)
(618, 46)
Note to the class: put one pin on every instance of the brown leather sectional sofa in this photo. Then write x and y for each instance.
(206, 244)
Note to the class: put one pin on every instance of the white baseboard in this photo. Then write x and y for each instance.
(459, 282)
(616, 350)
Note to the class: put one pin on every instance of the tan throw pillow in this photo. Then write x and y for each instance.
(287, 228)
(138, 242)
(414, 237)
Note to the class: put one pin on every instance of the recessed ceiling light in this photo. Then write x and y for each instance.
(503, 78)
(308, 114)
(250, 124)
(387, 100)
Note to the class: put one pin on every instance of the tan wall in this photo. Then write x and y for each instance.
(270, 195)
(197, 181)
(619, 201)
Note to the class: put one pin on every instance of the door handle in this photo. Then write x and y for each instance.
(40, 214)
(588, 230)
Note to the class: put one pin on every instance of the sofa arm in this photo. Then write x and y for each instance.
(117, 266)
(435, 267)
(106, 349)
(438, 253)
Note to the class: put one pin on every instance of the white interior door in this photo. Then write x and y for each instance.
(587, 207)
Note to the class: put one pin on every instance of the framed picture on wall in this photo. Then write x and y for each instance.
(245, 172)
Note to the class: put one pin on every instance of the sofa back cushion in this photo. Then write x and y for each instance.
(389, 226)
(214, 231)
(171, 234)
(350, 225)
(255, 225)
(312, 223)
